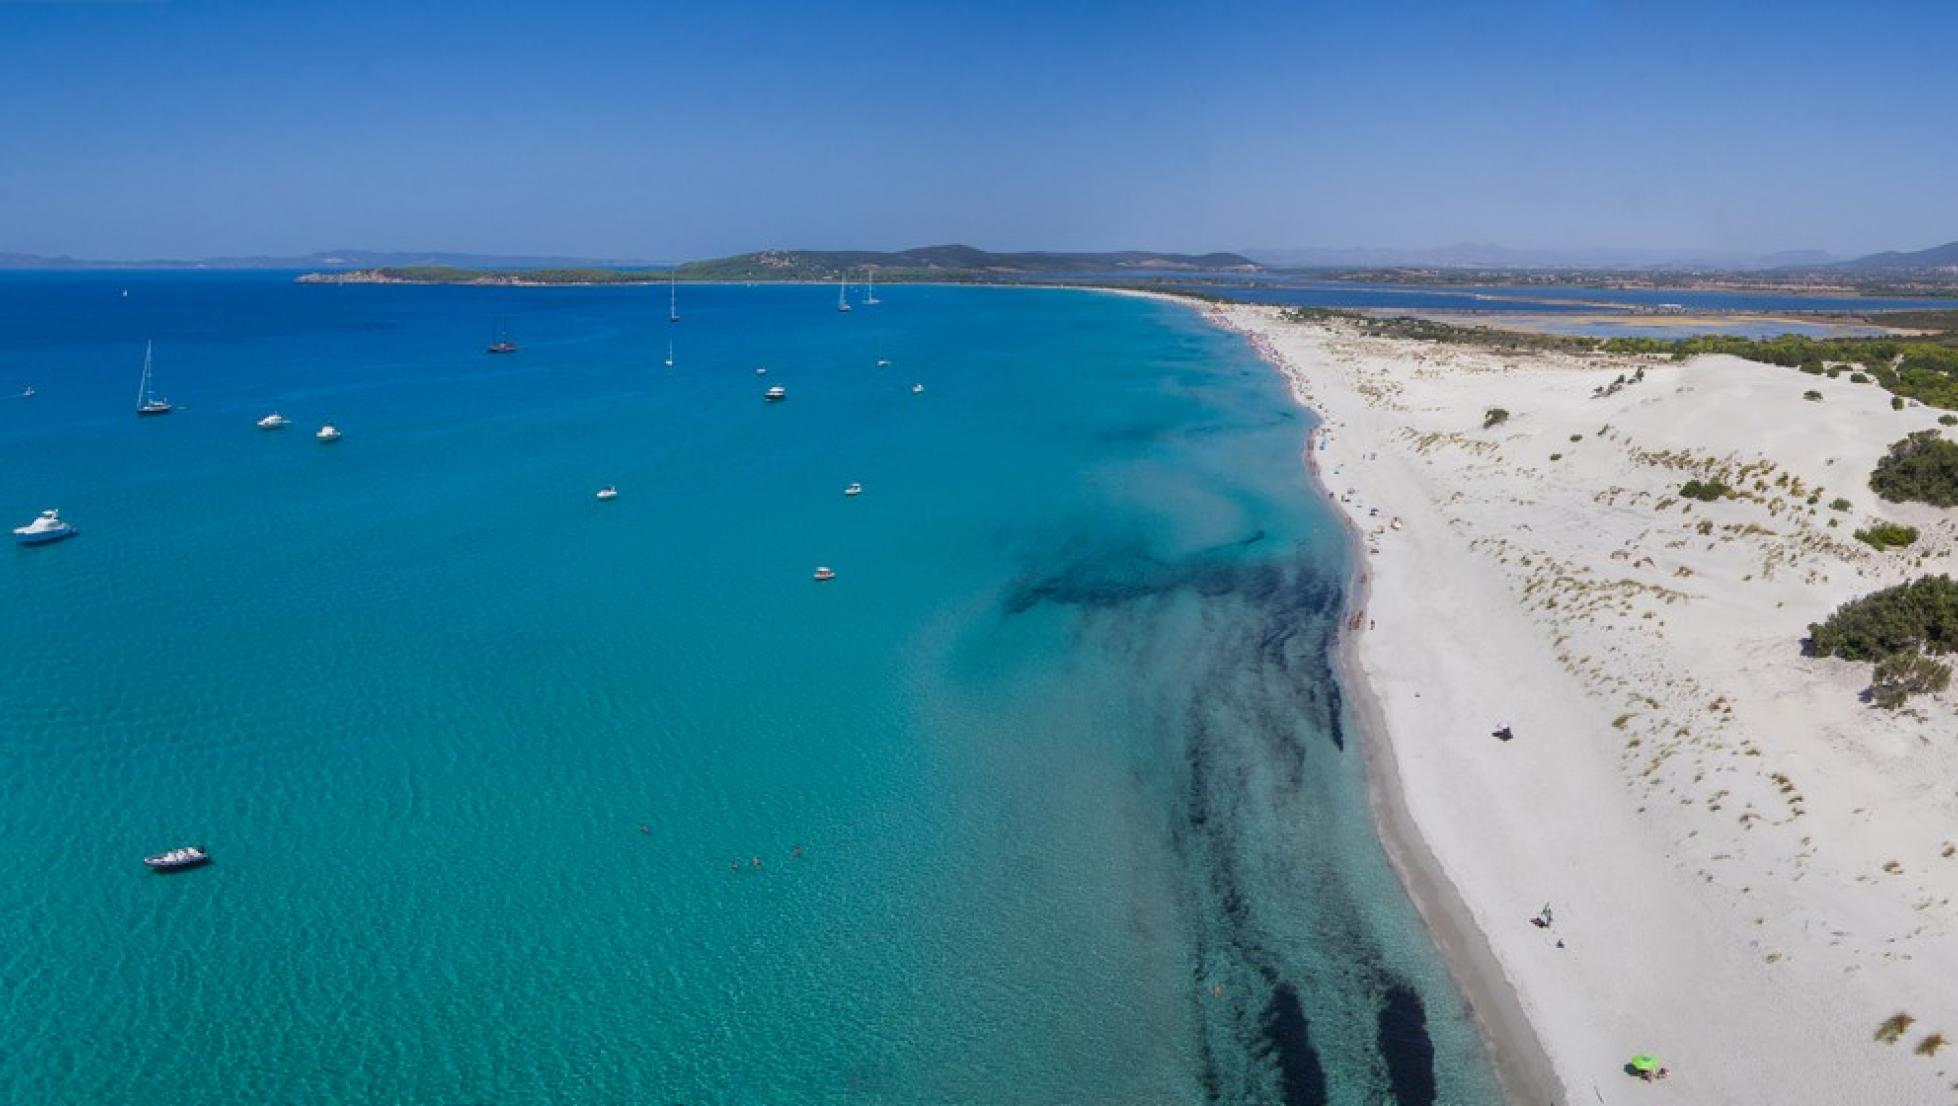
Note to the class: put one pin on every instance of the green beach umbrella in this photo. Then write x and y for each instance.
(1645, 1061)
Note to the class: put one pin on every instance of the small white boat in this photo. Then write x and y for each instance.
(669, 353)
(608, 492)
(273, 421)
(841, 303)
(327, 433)
(761, 370)
(853, 489)
(147, 402)
(776, 394)
(824, 573)
(883, 362)
(870, 288)
(190, 856)
(48, 527)
(917, 389)
(27, 392)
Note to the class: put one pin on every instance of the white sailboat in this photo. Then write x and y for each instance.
(147, 404)
(672, 297)
(870, 288)
(669, 353)
(841, 303)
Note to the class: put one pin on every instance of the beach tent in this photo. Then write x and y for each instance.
(1645, 1063)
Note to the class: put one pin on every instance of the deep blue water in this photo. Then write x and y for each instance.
(483, 761)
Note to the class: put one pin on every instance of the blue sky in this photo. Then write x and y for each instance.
(656, 130)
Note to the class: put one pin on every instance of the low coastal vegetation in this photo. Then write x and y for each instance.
(1920, 615)
(1494, 417)
(1706, 491)
(1920, 468)
(1919, 367)
(1901, 630)
(1887, 535)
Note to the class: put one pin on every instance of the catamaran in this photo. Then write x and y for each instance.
(672, 298)
(147, 404)
(870, 288)
(841, 303)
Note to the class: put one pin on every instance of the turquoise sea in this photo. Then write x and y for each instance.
(487, 765)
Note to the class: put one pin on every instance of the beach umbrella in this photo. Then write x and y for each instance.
(1645, 1062)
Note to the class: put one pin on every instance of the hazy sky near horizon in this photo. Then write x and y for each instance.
(656, 130)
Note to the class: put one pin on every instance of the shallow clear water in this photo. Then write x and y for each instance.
(483, 761)
(1633, 329)
(1548, 299)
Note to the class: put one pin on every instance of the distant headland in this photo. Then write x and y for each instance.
(934, 263)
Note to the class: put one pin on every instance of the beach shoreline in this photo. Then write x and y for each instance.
(1515, 1050)
(1582, 689)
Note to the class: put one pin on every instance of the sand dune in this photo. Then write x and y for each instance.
(1750, 870)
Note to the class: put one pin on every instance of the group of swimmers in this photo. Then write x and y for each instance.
(754, 862)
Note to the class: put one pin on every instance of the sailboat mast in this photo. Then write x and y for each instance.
(143, 386)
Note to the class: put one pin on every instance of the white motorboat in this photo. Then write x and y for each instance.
(608, 492)
(273, 421)
(853, 489)
(46, 528)
(327, 433)
(776, 394)
(190, 856)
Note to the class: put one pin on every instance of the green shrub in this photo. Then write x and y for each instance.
(1812, 394)
(1811, 367)
(1902, 675)
(1493, 417)
(1921, 616)
(1834, 374)
(1896, 403)
(1921, 468)
(1556, 456)
(1948, 420)
(1887, 535)
(1839, 504)
(1706, 491)
(1577, 437)
(1858, 378)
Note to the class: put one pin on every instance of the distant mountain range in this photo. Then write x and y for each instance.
(327, 259)
(1486, 255)
(1936, 258)
(948, 261)
(1939, 260)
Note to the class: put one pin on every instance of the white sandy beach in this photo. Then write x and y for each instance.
(1750, 870)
